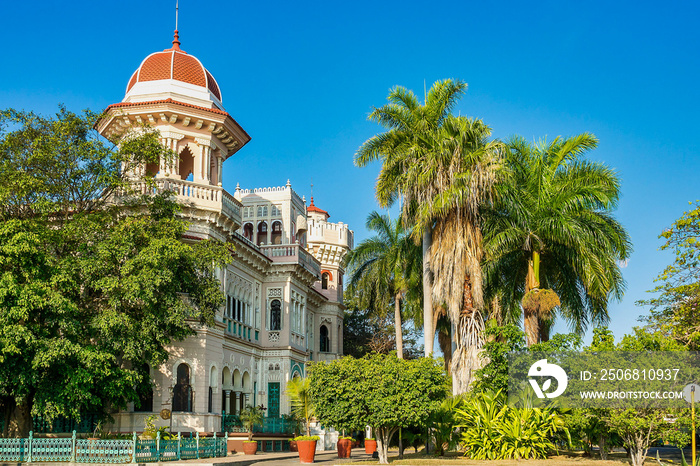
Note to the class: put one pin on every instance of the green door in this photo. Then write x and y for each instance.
(273, 399)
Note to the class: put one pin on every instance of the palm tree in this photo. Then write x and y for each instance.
(383, 268)
(411, 131)
(302, 404)
(251, 416)
(551, 240)
(463, 167)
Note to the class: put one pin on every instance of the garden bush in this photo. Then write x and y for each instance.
(492, 430)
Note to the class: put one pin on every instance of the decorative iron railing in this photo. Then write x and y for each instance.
(118, 451)
(270, 425)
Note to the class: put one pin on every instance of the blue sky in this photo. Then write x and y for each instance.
(301, 78)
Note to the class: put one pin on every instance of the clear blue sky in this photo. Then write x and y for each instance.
(301, 78)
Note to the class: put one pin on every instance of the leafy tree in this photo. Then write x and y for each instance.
(384, 392)
(90, 293)
(551, 240)
(638, 427)
(675, 311)
(405, 150)
(383, 269)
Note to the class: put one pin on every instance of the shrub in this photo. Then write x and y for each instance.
(493, 430)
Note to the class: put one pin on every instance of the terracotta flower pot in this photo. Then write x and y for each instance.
(307, 450)
(293, 445)
(250, 448)
(344, 448)
(370, 446)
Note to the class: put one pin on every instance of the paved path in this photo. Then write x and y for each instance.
(259, 459)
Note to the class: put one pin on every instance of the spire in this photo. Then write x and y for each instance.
(176, 39)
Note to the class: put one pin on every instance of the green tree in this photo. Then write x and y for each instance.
(383, 269)
(551, 239)
(674, 312)
(405, 150)
(383, 392)
(639, 427)
(90, 294)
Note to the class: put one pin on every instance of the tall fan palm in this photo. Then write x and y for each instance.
(463, 168)
(412, 130)
(552, 228)
(384, 268)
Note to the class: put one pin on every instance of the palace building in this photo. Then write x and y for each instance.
(284, 287)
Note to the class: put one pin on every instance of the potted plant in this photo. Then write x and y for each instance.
(344, 446)
(370, 445)
(303, 408)
(250, 417)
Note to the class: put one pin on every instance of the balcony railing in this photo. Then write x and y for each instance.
(201, 196)
(270, 425)
(292, 254)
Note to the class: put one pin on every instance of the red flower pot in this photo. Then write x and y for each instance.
(344, 448)
(250, 448)
(307, 450)
(370, 446)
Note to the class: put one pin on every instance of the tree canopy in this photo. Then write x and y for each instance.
(674, 311)
(381, 391)
(91, 292)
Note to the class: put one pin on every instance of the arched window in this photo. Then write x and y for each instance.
(324, 280)
(186, 164)
(248, 231)
(275, 315)
(324, 340)
(276, 237)
(182, 393)
(262, 233)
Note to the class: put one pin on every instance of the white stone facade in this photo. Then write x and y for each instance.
(278, 313)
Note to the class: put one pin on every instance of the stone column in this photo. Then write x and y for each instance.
(227, 395)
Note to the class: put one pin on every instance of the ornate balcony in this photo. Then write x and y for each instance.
(292, 254)
(200, 196)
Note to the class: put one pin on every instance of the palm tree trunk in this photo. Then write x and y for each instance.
(531, 322)
(470, 340)
(397, 324)
(428, 323)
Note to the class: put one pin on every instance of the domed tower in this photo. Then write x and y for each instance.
(172, 91)
(329, 242)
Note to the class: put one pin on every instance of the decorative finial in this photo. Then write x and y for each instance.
(238, 186)
(176, 39)
(289, 185)
(303, 199)
(312, 202)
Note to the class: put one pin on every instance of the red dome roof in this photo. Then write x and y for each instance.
(175, 64)
(313, 208)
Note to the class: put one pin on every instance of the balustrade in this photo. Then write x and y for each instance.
(202, 196)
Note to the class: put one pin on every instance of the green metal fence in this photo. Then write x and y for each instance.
(134, 450)
(270, 425)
